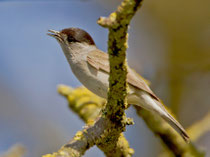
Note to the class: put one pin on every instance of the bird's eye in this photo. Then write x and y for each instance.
(71, 39)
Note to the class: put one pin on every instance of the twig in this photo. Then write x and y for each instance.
(170, 138)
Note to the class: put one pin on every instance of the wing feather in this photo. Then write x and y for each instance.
(99, 60)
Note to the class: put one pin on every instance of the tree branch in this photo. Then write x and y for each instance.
(117, 23)
(170, 138)
(88, 106)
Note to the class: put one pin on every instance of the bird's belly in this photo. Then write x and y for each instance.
(94, 80)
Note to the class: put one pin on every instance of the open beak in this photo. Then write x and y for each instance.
(53, 33)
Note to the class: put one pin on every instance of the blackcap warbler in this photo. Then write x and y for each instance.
(91, 66)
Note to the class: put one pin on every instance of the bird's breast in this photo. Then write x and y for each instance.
(94, 80)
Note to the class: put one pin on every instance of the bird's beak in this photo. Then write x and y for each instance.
(53, 33)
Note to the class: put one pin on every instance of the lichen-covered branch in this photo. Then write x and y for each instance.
(88, 137)
(117, 23)
(107, 130)
(88, 106)
(102, 133)
(170, 138)
(83, 102)
(121, 18)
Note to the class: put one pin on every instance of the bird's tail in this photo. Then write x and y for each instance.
(172, 121)
(146, 101)
(177, 126)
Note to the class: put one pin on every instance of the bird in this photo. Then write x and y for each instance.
(91, 67)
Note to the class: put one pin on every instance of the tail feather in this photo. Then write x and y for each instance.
(177, 126)
(146, 101)
(173, 122)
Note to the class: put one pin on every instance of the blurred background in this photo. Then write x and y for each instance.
(168, 44)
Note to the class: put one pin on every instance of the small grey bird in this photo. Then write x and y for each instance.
(91, 66)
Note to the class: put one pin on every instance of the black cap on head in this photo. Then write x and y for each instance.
(78, 35)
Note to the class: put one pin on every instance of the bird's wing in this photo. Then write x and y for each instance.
(100, 61)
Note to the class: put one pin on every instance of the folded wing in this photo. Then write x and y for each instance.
(100, 61)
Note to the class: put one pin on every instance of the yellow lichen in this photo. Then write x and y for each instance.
(50, 155)
(78, 136)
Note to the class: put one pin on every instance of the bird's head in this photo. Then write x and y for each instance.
(72, 39)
